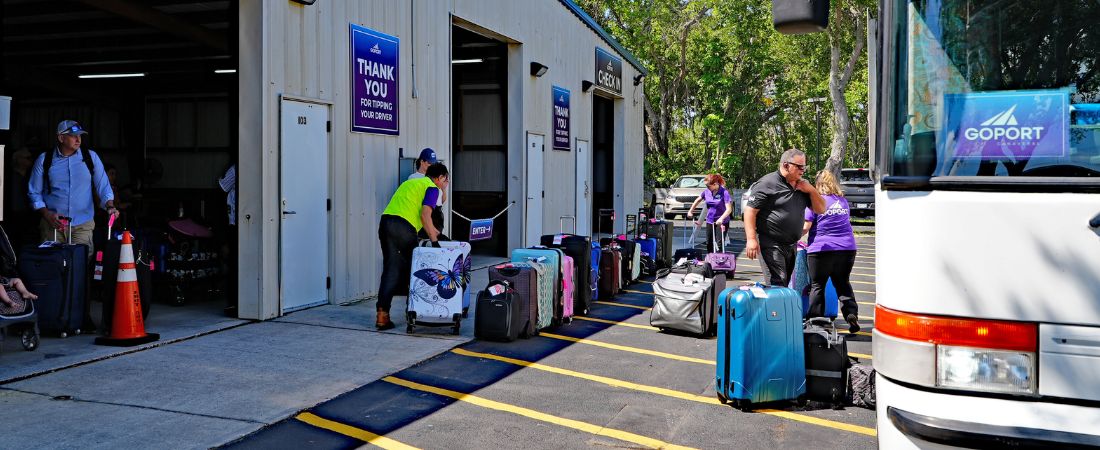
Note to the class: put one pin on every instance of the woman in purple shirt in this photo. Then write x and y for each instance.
(832, 251)
(719, 207)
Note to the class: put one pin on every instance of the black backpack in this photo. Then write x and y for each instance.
(47, 162)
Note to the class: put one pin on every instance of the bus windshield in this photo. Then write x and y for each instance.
(997, 88)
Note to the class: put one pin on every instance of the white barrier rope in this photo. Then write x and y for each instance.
(491, 218)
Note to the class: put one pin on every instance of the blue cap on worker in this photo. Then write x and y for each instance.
(428, 155)
(70, 127)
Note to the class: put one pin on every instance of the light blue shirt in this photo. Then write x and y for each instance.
(71, 186)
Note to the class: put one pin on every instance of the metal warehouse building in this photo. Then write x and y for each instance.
(536, 111)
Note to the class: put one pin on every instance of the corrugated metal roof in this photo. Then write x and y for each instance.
(588, 20)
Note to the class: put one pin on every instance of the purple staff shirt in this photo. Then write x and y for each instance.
(831, 230)
(716, 203)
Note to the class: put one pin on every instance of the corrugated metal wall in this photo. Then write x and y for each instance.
(299, 51)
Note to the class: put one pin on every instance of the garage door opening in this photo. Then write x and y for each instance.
(603, 164)
(154, 83)
(479, 68)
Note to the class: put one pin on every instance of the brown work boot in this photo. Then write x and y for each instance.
(853, 323)
(383, 321)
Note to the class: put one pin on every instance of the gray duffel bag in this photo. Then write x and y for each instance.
(682, 302)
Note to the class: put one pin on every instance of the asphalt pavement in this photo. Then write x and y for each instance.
(605, 380)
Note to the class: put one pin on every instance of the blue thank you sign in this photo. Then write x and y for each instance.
(481, 229)
(374, 64)
(1017, 125)
(561, 118)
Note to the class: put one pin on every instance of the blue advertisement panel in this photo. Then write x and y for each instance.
(561, 118)
(609, 72)
(374, 64)
(1018, 125)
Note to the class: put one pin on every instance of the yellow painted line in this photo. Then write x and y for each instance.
(872, 283)
(643, 351)
(859, 355)
(621, 324)
(637, 292)
(532, 414)
(861, 333)
(614, 382)
(644, 281)
(597, 378)
(350, 431)
(822, 422)
(867, 303)
(623, 305)
(865, 292)
(628, 349)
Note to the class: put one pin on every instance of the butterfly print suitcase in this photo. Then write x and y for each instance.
(438, 285)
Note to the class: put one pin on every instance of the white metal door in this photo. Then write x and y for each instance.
(534, 189)
(584, 189)
(303, 194)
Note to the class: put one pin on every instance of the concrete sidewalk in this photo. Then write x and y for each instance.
(215, 388)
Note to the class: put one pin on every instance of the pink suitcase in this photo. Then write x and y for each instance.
(567, 271)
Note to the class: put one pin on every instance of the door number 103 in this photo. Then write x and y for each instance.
(302, 120)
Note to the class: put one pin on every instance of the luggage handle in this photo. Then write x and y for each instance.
(68, 222)
(561, 223)
(824, 320)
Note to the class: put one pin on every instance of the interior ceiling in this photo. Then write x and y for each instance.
(47, 43)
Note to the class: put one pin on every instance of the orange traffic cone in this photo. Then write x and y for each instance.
(127, 327)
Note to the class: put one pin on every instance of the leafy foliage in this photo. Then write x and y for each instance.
(726, 93)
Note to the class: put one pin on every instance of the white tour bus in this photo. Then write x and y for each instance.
(987, 168)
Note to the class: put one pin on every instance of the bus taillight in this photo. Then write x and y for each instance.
(956, 353)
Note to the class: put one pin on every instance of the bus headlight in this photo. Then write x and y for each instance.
(985, 370)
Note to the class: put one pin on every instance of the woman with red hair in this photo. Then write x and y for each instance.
(719, 208)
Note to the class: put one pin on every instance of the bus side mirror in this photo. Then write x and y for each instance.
(800, 16)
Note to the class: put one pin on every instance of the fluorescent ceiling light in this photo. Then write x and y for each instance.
(466, 61)
(226, 71)
(112, 75)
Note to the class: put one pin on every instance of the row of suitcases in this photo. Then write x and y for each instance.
(547, 285)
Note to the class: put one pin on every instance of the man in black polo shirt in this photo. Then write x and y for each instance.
(774, 216)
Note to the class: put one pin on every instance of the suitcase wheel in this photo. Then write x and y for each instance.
(409, 328)
(458, 323)
(743, 405)
(723, 399)
(30, 340)
(465, 313)
(801, 401)
(64, 335)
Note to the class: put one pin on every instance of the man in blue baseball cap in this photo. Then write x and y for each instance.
(64, 183)
(426, 159)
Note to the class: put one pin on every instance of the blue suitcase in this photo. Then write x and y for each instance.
(832, 301)
(761, 357)
(800, 282)
(553, 258)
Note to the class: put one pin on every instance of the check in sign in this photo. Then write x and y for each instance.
(481, 229)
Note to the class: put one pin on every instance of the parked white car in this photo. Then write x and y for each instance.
(682, 193)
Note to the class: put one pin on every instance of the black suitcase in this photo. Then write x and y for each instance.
(826, 362)
(499, 313)
(111, 252)
(689, 251)
(580, 249)
(627, 248)
(59, 276)
(662, 230)
(524, 282)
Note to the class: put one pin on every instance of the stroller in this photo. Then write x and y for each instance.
(21, 318)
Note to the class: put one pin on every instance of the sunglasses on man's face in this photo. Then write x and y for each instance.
(798, 166)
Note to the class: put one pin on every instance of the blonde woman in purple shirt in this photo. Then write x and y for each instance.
(832, 251)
